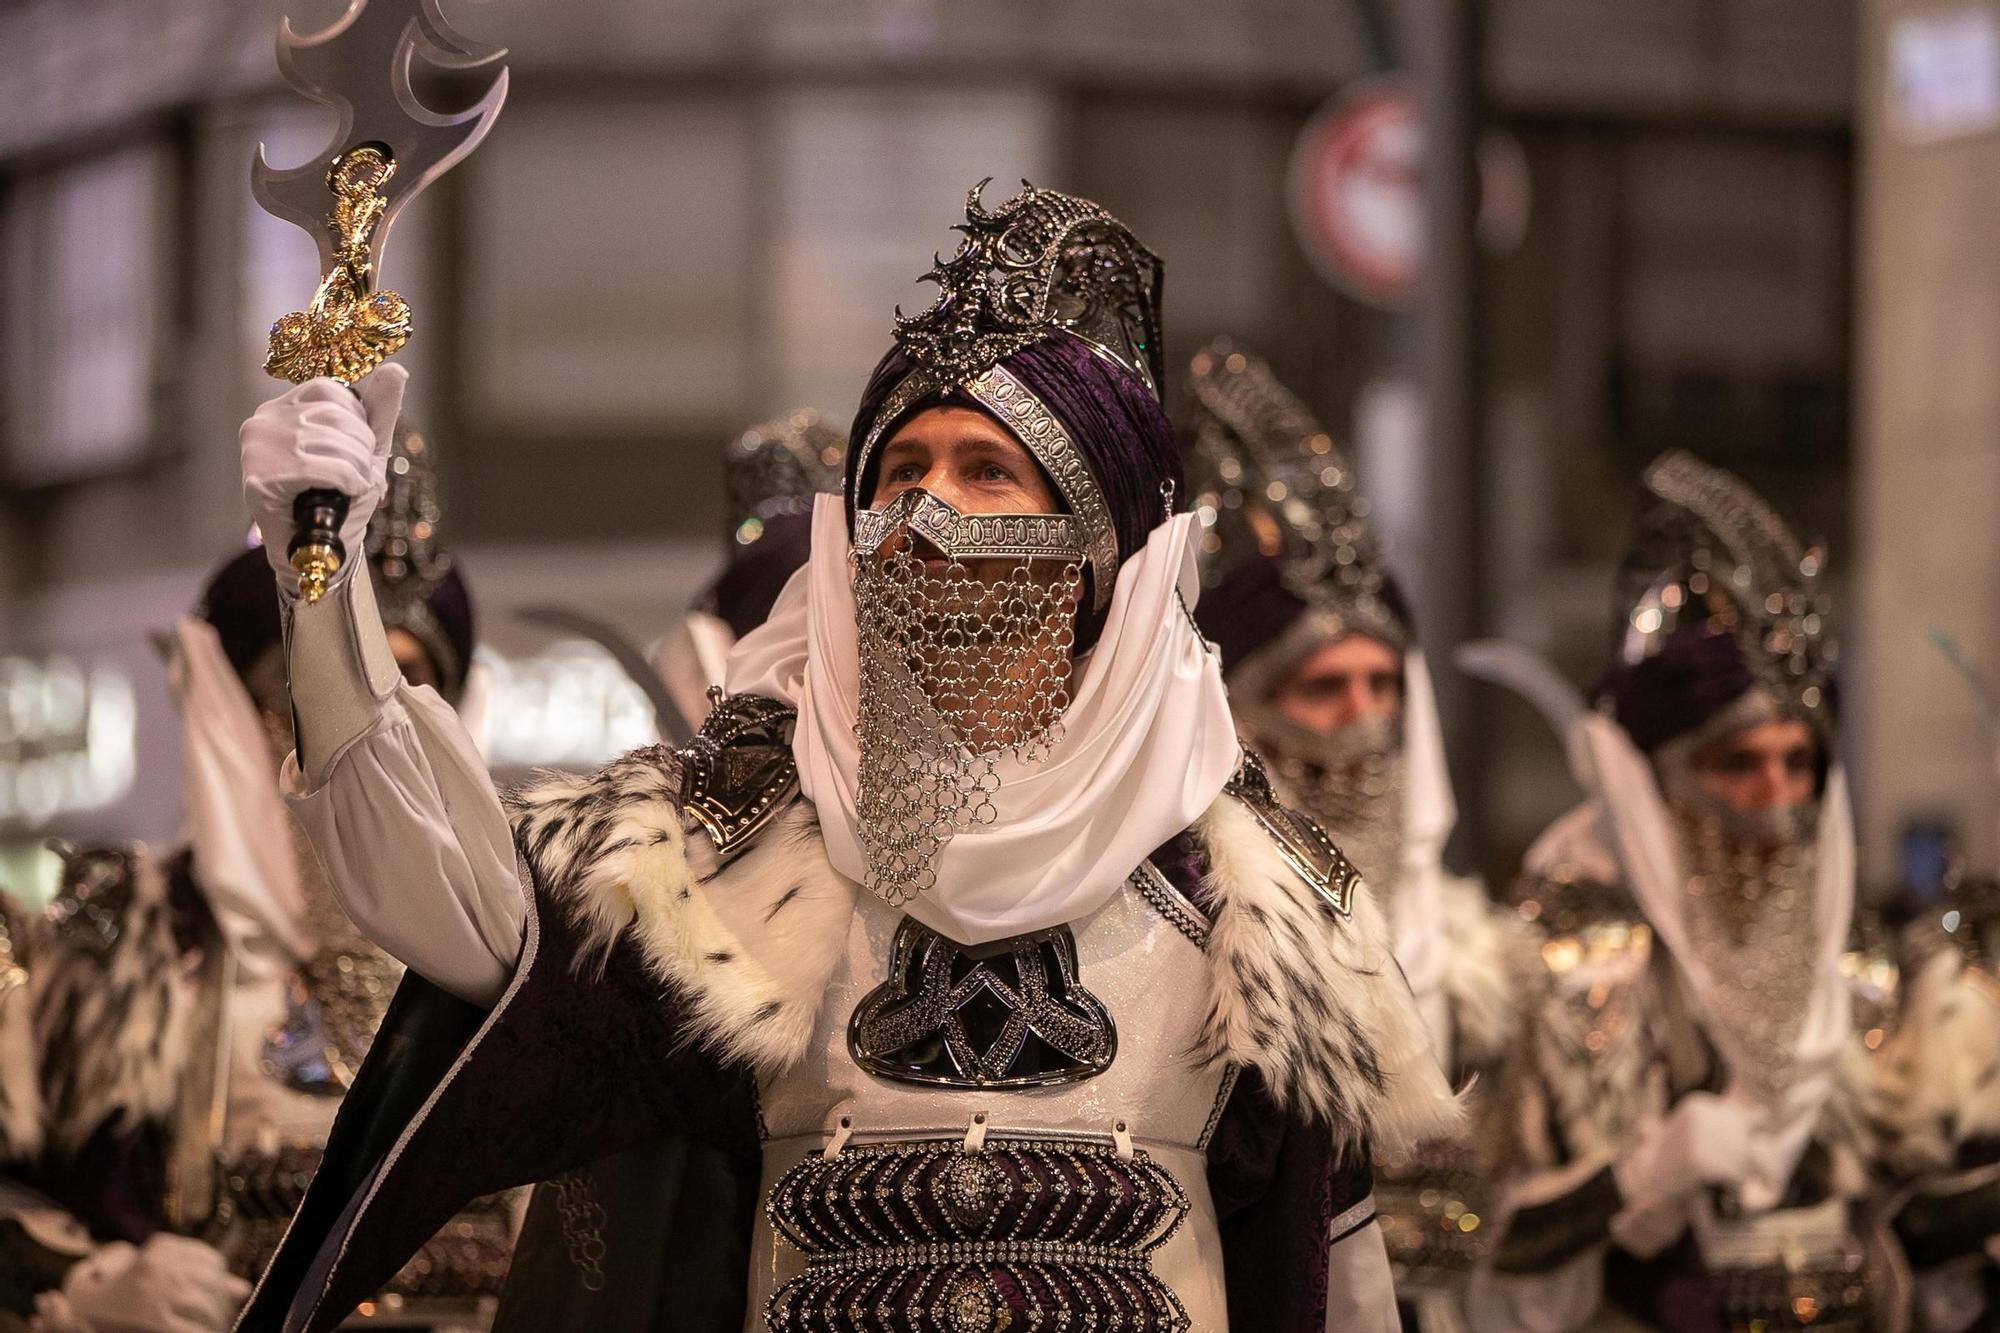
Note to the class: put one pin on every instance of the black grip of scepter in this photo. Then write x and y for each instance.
(316, 551)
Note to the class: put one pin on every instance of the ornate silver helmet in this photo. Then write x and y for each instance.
(1042, 264)
(417, 586)
(1277, 485)
(776, 467)
(1711, 560)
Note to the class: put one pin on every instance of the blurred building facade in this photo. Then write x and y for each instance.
(1927, 462)
(698, 212)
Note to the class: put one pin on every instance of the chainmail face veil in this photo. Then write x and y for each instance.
(1750, 907)
(1144, 746)
(1354, 782)
(965, 658)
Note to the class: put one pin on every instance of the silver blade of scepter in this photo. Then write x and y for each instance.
(388, 148)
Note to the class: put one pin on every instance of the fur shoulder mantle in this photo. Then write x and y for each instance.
(1303, 984)
(713, 861)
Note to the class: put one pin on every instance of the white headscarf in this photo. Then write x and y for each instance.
(1147, 741)
(237, 826)
(1649, 850)
(1429, 812)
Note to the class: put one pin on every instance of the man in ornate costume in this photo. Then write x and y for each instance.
(986, 985)
(774, 470)
(1686, 1116)
(55, 1275)
(198, 1019)
(1937, 1109)
(1327, 683)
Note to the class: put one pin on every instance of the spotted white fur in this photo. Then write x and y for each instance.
(113, 1030)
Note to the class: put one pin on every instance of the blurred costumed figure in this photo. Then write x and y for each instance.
(1937, 1106)
(990, 988)
(199, 1017)
(1688, 1109)
(62, 1270)
(1329, 687)
(773, 471)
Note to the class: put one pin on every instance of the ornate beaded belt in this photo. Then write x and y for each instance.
(933, 1237)
(1831, 1295)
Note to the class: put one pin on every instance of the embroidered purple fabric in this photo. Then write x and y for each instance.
(1251, 606)
(1695, 675)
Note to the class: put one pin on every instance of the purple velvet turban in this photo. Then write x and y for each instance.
(1696, 673)
(1251, 607)
(743, 594)
(241, 602)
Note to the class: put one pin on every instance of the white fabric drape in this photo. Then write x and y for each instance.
(417, 847)
(1147, 741)
(1649, 851)
(237, 827)
(1429, 812)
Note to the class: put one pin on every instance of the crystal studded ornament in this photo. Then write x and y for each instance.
(1044, 262)
(1709, 550)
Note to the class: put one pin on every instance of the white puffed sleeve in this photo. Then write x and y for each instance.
(397, 802)
(1360, 1288)
(412, 837)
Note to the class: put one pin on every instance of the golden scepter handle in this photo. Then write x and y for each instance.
(347, 331)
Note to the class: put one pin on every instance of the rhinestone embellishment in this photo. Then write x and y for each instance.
(926, 1237)
(1011, 1014)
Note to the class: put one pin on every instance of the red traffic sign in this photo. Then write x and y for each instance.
(1357, 192)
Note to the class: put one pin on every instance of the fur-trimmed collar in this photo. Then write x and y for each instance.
(1312, 1000)
(751, 942)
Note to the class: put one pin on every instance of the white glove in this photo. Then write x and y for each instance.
(171, 1284)
(1704, 1140)
(319, 435)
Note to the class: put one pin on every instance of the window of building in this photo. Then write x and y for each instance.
(82, 298)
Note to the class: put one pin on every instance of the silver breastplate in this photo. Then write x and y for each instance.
(1113, 1109)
